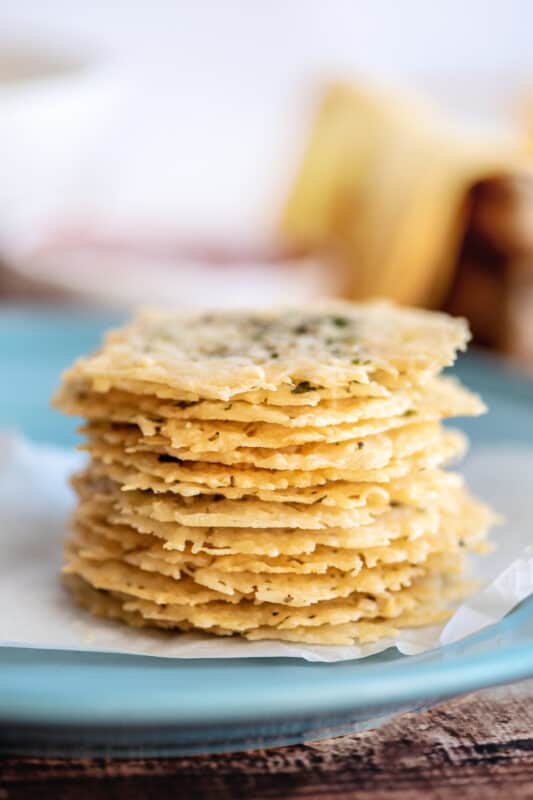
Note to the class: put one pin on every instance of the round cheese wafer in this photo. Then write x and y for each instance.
(372, 452)
(216, 476)
(440, 397)
(300, 349)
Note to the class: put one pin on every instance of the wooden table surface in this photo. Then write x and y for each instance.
(478, 747)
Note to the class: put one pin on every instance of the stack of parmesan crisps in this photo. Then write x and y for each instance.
(278, 475)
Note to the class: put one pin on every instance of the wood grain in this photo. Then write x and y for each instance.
(479, 746)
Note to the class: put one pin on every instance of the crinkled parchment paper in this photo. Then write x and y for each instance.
(37, 612)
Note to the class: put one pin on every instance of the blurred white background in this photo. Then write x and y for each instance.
(185, 119)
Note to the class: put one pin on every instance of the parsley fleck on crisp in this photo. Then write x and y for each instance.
(340, 322)
(356, 360)
(409, 412)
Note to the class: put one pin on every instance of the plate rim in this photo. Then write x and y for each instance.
(454, 674)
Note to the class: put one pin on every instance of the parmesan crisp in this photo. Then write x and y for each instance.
(278, 474)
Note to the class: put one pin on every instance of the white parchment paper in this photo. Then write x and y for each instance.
(35, 611)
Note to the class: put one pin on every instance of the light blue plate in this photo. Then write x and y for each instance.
(71, 703)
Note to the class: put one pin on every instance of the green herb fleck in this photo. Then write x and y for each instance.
(409, 413)
(340, 322)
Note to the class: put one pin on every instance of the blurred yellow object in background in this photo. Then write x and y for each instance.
(384, 189)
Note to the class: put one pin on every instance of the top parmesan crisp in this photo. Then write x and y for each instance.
(224, 354)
